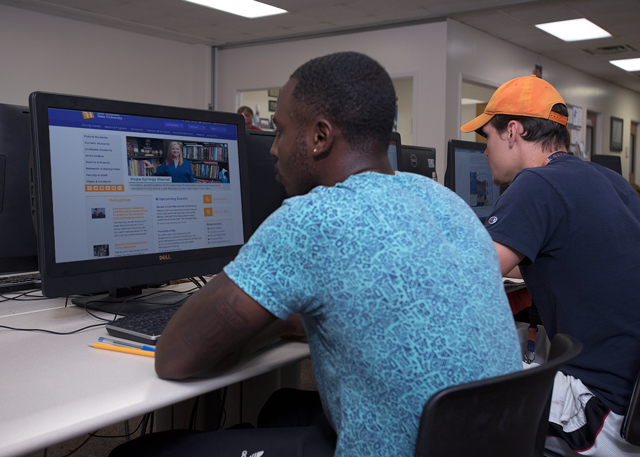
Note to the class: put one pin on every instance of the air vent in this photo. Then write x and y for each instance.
(606, 50)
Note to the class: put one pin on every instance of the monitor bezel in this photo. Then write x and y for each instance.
(66, 278)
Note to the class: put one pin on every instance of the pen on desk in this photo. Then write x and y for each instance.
(126, 350)
(144, 347)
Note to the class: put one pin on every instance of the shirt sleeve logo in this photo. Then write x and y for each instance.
(492, 220)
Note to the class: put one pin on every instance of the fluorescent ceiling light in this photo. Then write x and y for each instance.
(627, 64)
(574, 30)
(470, 101)
(246, 8)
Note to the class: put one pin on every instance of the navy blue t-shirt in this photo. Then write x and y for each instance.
(578, 225)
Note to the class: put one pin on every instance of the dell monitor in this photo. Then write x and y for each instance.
(265, 192)
(18, 250)
(131, 194)
(418, 159)
(611, 162)
(468, 175)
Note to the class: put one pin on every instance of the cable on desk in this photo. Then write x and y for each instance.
(24, 296)
(49, 331)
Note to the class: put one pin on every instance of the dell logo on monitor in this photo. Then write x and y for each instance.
(164, 257)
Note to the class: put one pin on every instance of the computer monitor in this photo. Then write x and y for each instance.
(18, 250)
(106, 222)
(611, 162)
(468, 175)
(418, 159)
(265, 192)
(394, 148)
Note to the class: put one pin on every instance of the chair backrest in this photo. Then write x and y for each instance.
(502, 416)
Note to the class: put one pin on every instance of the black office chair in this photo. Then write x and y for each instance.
(631, 426)
(502, 416)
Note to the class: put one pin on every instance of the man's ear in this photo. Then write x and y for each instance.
(514, 130)
(322, 137)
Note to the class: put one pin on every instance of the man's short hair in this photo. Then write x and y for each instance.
(245, 109)
(351, 90)
(550, 135)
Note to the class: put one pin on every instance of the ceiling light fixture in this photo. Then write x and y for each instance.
(574, 30)
(627, 64)
(245, 8)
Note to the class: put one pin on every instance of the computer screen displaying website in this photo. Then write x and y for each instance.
(127, 185)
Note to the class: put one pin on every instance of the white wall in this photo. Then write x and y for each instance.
(417, 52)
(39, 52)
(476, 56)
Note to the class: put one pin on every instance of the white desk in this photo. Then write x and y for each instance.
(54, 387)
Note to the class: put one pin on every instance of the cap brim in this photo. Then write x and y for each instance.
(476, 123)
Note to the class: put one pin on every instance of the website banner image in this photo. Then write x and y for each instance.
(130, 185)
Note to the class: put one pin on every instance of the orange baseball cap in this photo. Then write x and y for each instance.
(525, 96)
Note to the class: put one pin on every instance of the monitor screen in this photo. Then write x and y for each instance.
(611, 162)
(418, 159)
(266, 193)
(392, 152)
(129, 194)
(468, 175)
(18, 251)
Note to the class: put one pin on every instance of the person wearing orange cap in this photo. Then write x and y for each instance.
(572, 228)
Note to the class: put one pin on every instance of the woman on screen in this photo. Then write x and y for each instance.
(175, 166)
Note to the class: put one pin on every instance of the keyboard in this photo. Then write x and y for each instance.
(20, 281)
(145, 327)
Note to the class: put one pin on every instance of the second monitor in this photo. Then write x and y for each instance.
(469, 175)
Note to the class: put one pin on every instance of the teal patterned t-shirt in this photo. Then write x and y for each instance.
(401, 295)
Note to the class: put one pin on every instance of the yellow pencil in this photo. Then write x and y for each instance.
(109, 347)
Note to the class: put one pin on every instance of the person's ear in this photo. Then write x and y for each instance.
(322, 137)
(514, 129)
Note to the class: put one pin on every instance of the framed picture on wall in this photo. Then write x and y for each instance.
(272, 105)
(616, 134)
(274, 92)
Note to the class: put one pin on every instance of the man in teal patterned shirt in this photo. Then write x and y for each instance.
(395, 279)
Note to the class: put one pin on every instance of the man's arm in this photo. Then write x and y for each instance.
(215, 329)
(509, 259)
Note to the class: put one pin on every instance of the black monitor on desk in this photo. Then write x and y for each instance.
(611, 162)
(18, 249)
(418, 159)
(104, 223)
(265, 192)
(468, 175)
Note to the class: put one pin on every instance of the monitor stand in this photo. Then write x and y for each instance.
(125, 303)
